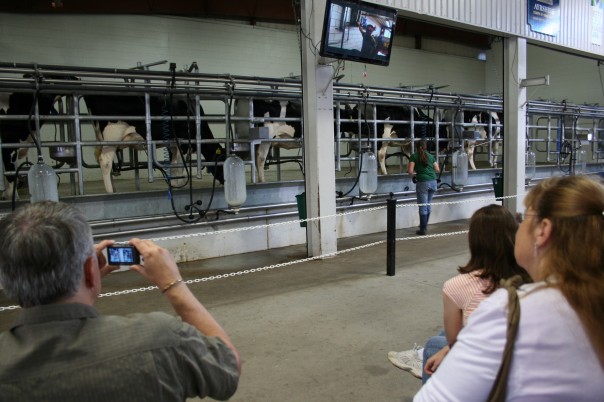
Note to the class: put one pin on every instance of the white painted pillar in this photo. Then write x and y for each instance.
(514, 122)
(319, 165)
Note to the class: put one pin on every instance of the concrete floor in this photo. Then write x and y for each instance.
(320, 330)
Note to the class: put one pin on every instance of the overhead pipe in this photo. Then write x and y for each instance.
(404, 95)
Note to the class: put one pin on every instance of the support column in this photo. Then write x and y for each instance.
(514, 122)
(319, 165)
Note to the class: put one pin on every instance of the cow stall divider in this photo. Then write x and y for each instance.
(555, 140)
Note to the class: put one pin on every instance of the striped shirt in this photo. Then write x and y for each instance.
(465, 290)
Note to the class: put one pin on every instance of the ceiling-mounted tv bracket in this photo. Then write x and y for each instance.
(325, 61)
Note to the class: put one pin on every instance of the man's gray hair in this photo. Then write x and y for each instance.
(43, 248)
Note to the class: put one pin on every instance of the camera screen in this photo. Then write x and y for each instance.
(122, 255)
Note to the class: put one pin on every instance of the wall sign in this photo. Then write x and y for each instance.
(544, 16)
(597, 22)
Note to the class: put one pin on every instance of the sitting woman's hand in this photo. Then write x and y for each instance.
(435, 360)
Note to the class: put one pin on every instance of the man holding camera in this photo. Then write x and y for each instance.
(60, 348)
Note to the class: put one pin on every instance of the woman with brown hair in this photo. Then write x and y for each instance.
(558, 352)
(423, 168)
(491, 243)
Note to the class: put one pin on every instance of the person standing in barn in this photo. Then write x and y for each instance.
(61, 349)
(423, 168)
(369, 47)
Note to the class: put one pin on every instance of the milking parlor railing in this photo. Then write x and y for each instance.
(550, 124)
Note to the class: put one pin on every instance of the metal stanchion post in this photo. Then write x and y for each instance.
(390, 236)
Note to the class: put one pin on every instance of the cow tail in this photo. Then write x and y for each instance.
(165, 127)
(99, 137)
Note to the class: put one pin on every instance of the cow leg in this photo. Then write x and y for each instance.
(275, 130)
(119, 131)
(106, 162)
(471, 147)
(7, 194)
(382, 157)
(261, 154)
(494, 153)
(14, 157)
(22, 152)
(406, 150)
(177, 172)
(383, 151)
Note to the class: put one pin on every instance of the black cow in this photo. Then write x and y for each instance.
(479, 121)
(165, 129)
(18, 131)
(349, 125)
(423, 127)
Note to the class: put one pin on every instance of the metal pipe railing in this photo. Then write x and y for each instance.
(31, 77)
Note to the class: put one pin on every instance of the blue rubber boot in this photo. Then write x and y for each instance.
(423, 225)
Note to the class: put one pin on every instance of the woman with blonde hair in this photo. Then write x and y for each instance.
(558, 351)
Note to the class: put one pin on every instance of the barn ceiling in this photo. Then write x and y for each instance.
(251, 11)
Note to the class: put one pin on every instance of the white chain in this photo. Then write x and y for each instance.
(456, 202)
(433, 235)
(290, 263)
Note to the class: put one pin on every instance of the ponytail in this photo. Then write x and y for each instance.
(423, 157)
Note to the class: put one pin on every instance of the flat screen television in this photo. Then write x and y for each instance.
(358, 31)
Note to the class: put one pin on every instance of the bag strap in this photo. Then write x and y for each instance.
(498, 392)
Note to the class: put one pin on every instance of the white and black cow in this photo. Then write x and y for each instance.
(290, 129)
(475, 120)
(277, 129)
(123, 129)
(349, 125)
(20, 131)
(397, 125)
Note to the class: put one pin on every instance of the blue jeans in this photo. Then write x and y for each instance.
(431, 347)
(425, 191)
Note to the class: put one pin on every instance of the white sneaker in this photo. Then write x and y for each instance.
(408, 360)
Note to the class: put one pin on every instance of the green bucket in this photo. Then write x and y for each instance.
(301, 201)
(498, 186)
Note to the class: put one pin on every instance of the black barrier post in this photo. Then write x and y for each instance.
(390, 236)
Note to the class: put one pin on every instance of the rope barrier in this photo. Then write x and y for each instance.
(291, 263)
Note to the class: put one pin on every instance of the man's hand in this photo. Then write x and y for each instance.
(103, 266)
(159, 265)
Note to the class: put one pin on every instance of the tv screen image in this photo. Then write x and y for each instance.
(358, 31)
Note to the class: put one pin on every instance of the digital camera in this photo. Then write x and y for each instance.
(122, 255)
